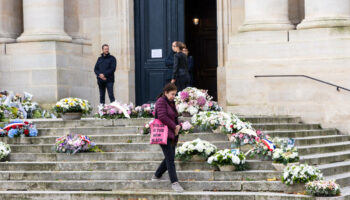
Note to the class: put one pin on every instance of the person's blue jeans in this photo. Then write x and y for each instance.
(103, 85)
(169, 162)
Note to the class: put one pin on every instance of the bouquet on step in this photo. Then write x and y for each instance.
(115, 110)
(227, 157)
(5, 150)
(323, 188)
(73, 105)
(300, 174)
(19, 128)
(198, 147)
(192, 100)
(144, 111)
(75, 143)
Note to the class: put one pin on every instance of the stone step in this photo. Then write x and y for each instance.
(123, 138)
(342, 179)
(106, 147)
(137, 129)
(138, 138)
(59, 123)
(147, 194)
(324, 148)
(301, 133)
(116, 166)
(335, 168)
(139, 175)
(109, 185)
(324, 158)
(313, 140)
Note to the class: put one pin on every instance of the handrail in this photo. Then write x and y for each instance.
(304, 76)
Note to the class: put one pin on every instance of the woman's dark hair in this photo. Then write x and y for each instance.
(168, 88)
(181, 45)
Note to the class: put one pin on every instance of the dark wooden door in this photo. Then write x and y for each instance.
(157, 24)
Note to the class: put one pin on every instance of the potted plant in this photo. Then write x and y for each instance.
(323, 188)
(72, 108)
(226, 160)
(263, 149)
(5, 150)
(196, 150)
(284, 157)
(297, 175)
(74, 143)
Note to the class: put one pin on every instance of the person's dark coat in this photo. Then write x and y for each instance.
(180, 71)
(166, 112)
(190, 67)
(106, 65)
(169, 62)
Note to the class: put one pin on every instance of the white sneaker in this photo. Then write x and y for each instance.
(154, 178)
(177, 187)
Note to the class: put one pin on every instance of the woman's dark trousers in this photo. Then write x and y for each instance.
(169, 162)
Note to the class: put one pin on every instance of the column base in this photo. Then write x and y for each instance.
(324, 23)
(266, 26)
(40, 37)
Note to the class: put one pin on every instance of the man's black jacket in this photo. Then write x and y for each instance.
(106, 65)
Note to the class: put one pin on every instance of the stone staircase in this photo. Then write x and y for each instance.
(124, 170)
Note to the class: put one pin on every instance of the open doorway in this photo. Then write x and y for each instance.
(201, 40)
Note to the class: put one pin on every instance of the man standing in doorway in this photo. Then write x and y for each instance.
(104, 69)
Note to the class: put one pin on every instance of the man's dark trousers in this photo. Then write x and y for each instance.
(103, 85)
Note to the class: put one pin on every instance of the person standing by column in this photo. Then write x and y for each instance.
(104, 69)
(181, 76)
(169, 61)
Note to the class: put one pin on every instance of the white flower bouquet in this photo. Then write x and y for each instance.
(227, 157)
(285, 155)
(323, 188)
(73, 105)
(115, 110)
(300, 174)
(192, 100)
(5, 150)
(198, 147)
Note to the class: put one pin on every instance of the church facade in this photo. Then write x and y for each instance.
(256, 57)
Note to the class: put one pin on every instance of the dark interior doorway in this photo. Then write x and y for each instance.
(201, 40)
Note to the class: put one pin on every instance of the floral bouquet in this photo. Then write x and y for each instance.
(196, 147)
(5, 150)
(192, 100)
(18, 128)
(74, 144)
(186, 128)
(210, 120)
(285, 155)
(73, 105)
(147, 127)
(5, 112)
(214, 106)
(263, 148)
(116, 110)
(323, 188)
(144, 111)
(228, 158)
(300, 174)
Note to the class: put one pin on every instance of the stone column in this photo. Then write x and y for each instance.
(10, 20)
(326, 14)
(266, 15)
(74, 12)
(43, 21)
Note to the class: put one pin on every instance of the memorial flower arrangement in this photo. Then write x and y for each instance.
(198, 147)
(323, 188)
(300, 174)
(75, 143)
(115, 110)
(263, 147)
(186, 128)
(285, 155)
(214, 106)
(192, 100)
(227, 157)
(5, 150)
(19, 128)
(147, 127)
(210, 120)
(144, 111)
(73, 105)
(21, 106)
